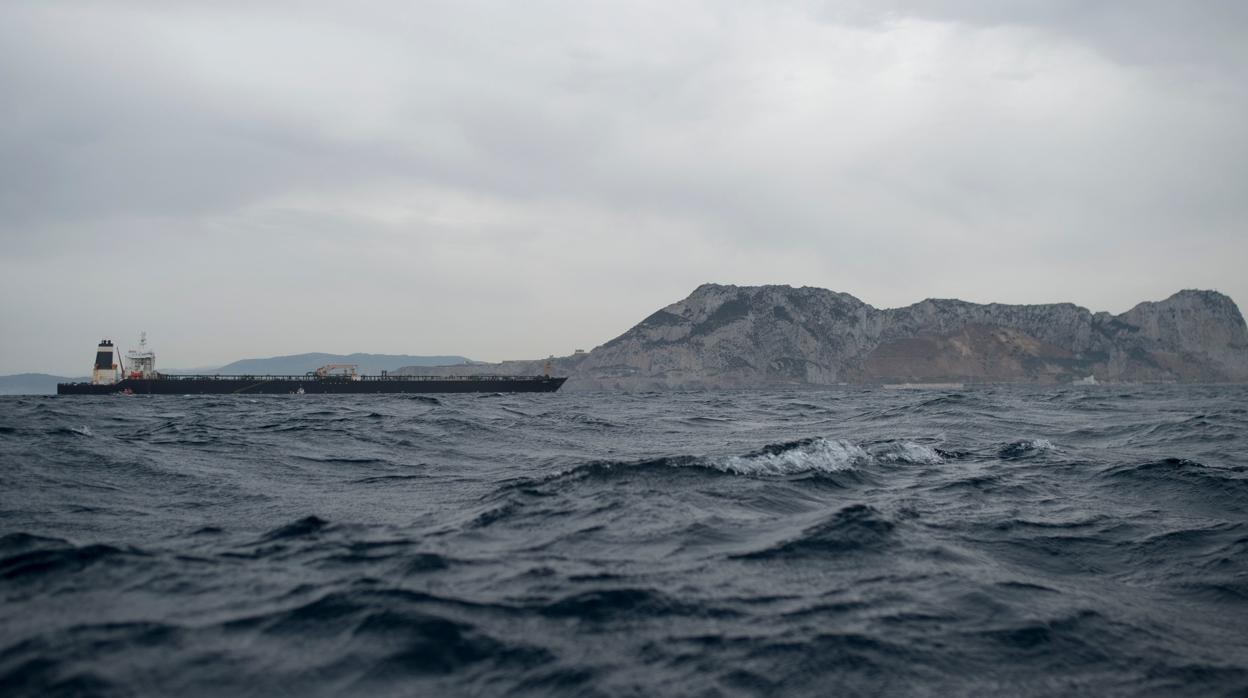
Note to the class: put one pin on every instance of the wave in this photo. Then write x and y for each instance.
(1226, 485)
(818, 456)
(810, 455)
(381, 479)
(907, 452)
(956, 399)
(43, 557)
(343, 460)
(1025, 449)
(425, 562)
(306, 526)
(83, 430)
(1203, 428)
(703, 419)
(821, 455)
(1181, 467)
(423, 639)
(20, 542)
(1165, 466)
(52, 664)
(609, 604)
(858, 527)
(1078, 635)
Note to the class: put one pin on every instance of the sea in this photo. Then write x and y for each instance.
(994, 540)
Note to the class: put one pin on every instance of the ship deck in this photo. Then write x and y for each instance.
(340, 379)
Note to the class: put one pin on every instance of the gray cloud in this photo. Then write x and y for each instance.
(505, 181)
(1154, 33)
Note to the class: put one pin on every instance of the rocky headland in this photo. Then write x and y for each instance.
(759, 336)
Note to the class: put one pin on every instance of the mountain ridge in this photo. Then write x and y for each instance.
(725, 336)
(296, 364)
(32, 383)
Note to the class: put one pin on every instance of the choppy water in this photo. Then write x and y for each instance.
(1029, 541)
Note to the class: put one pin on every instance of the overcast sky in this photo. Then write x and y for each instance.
(518, 179)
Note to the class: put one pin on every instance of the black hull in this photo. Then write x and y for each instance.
(284, 385)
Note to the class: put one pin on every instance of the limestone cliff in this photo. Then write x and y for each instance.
(730, 336)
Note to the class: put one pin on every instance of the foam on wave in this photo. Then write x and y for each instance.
(824, 456)
(816, 455)
(1025, 448)
(905, 452)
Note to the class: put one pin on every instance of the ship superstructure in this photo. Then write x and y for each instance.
(141, 362)
(138, 376)
(105, 370)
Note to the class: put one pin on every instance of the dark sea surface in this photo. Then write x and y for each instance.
(994, 540)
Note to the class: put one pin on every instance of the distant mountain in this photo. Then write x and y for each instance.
(32, 384)
(299, 364)
(754, 336)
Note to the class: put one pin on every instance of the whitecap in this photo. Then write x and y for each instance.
(905, 452)
(1027, 447)
(817, 455)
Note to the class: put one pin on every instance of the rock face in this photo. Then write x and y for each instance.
(730, 336)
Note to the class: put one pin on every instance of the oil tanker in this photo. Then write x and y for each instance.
(138, 376)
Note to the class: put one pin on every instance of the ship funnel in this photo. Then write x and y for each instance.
(105, 370)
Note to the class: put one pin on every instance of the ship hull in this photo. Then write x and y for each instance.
(284, 385)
